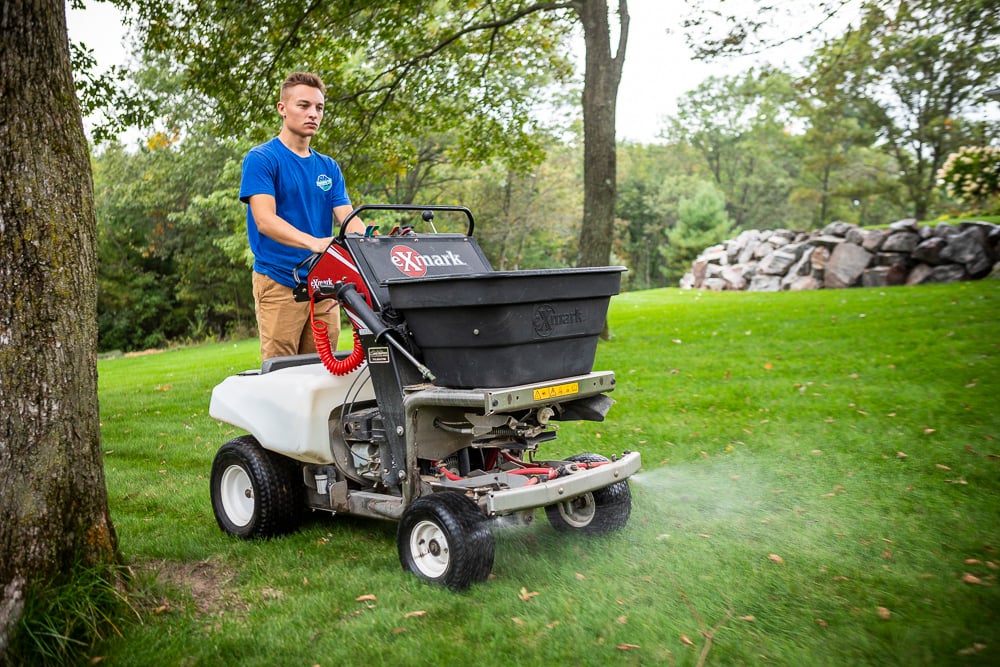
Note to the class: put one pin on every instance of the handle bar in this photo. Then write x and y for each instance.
(404, 207)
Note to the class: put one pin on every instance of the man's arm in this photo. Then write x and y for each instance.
(355, 226)
(270, 224)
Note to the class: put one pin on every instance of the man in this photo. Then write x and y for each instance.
(294, 195)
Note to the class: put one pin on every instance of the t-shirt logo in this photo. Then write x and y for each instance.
(324, 182)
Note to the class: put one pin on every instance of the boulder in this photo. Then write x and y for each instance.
(968, 248)
(802, 283)
(837, 229)
(733, 275)
(946, 273)
(873, 239)
(901, 242)
(884, 276)
(847, 263)
(765, 283)
(929, 251)
(778, 261)
(905, 225)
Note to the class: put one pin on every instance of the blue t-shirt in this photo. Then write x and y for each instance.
(305, 190)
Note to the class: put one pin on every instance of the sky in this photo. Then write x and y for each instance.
(658, 67)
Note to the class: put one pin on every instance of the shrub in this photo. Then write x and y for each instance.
(972, 176)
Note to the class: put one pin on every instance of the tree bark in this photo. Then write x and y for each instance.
(53, 498)
(602, 74)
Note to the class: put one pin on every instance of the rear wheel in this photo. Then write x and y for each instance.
(445, 539)
(597, 512)
(255, 493)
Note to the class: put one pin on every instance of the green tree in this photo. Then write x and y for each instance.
(916, 70)
(52, 493)
(418, 68)
(739, 126)
(701, 223)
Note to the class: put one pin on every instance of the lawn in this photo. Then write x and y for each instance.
(820, 486)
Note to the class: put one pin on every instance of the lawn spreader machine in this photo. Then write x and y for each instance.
(459, 375)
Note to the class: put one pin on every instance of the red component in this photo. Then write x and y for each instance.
(335, 265)
(322, 339)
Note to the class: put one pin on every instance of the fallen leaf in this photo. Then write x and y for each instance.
(901, 455)
(886, 555)
(776, 558)
(525, 595)
(580, 576)
(928, 430)
(704, 536)
(748, 618)
(884, 613)
(398, 631)
(821, 623)
(941, 466)
(517, 621)
(839, 578)
(552, 625)
(768, 366)
(368, 597)
(972, 650)
(162, 608)
(621, 620)
(972, 579)
(686, 641)
(972, 561)
(414, 614)
(627, 647)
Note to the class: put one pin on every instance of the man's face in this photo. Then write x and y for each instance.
(302, 109)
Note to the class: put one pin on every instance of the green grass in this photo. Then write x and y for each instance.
(820, 473)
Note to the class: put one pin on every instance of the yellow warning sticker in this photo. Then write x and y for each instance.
(567, 389)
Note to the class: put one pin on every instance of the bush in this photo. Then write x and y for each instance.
(972, 176)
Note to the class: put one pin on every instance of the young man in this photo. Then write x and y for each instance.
(294, 195)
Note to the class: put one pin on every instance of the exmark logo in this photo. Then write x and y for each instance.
(547, 318)
(413, 264)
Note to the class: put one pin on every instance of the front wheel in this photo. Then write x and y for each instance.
(597, 512)
(445, 539)
(255, 493)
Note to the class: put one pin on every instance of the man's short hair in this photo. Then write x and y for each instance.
(302, 79)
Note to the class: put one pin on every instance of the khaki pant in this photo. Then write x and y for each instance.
(283, 322)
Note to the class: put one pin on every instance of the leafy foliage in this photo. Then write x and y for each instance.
(701, 222)
(972, 175)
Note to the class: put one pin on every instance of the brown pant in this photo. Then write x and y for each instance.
(283, 322)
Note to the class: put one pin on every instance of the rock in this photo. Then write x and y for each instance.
(778, 261)
(855, 235)
(944, 230)
(873, 239)
(901, 242)
(837, 229)
(968, 248)
(905, 225)
(820, 256)
(827, 241)
(733, 275)
(847, 263)
(947, 273)
(929, 251)
(802, 283)
(884, 276)
(765, 283)
(714, 284)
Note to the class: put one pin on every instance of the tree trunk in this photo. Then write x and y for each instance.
(602, 75)
(53, 498)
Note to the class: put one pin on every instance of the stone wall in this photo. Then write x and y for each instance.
(844, 255)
